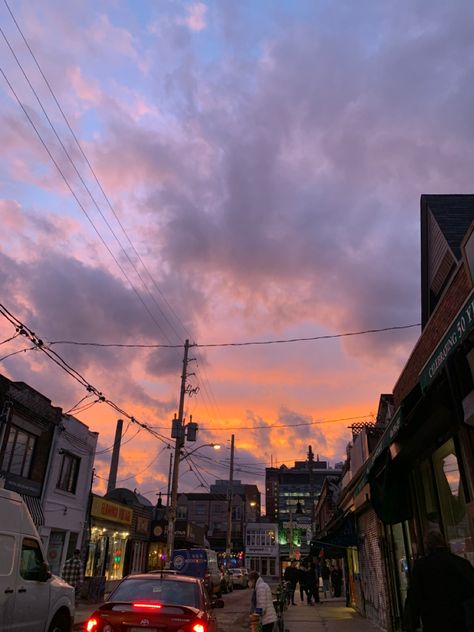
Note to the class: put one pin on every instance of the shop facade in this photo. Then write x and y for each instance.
(262, 550)
(110, 524)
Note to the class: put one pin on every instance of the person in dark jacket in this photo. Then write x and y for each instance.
(303, 581)
(336, 579)
(441, 591)
(291, 576)
(313, 583)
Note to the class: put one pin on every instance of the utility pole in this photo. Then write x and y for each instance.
(169, 481)
(228, 546)
(178, 445)
(114, 463)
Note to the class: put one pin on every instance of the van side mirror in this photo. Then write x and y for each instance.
(44, 573)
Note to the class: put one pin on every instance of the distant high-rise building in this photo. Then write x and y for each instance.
(286, 486)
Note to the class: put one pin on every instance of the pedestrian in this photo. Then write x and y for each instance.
(291, 576)
(313, 583)
(336, 579)
(325, 575)
(441, 590)
(303, 581)
(262, 601)
(73, 572)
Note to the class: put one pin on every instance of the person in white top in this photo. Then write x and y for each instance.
(262, 601)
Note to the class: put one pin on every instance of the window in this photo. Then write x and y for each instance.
(68, 475)
(19, 452)
(7, 547)
(182, 512)
(31, 562)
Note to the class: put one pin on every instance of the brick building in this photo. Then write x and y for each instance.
(420, 475)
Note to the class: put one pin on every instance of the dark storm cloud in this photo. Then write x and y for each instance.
(316, 170)
(310, 433)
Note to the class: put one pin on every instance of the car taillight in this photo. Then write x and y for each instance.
(152, 606)
(92, 625)
(198, 627)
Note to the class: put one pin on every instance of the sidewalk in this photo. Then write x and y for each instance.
(331, 615)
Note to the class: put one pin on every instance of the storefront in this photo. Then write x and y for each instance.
(261, 549)
(110, 533)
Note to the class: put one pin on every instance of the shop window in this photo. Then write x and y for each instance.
(19, 452)
(272, 567)
(68, 474)
(452, 499)
(427, 497)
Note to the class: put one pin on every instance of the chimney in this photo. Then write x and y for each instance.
(115, 457)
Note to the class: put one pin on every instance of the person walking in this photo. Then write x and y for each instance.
(441, 590)
(313, 583)
(303, 581)
(291, 575)
(73, 572)
(262, 601)
(325, 575)
(336, 579)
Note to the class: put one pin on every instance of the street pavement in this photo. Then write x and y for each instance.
(331, 615)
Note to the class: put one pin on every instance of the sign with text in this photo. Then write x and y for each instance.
(459, 329)
(108, 510)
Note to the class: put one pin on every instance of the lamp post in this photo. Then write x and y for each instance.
(298, 511)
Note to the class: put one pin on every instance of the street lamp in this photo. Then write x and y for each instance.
(216, 446)
(299, 511)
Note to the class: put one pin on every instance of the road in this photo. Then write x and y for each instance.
(234, 616)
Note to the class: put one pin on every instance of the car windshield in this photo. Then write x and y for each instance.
(183, 593)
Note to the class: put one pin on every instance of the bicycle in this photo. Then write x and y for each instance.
(280, 603)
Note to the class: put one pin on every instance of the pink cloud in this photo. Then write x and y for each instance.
(85, 89)
(11, 216)
(196, 17)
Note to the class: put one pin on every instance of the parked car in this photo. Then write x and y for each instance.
(201, 563)
(31, 599)
(239, 577)
(156, 601)
(227, 583)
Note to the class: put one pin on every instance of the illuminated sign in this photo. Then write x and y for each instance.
(108, 510)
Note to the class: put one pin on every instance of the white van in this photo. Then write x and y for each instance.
(31, 599)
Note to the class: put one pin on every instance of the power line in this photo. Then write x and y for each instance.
(234, 344)
(107, 199)
(271, 426)
(56, 358)
(81, 206)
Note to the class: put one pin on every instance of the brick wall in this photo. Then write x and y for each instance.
(441, 318)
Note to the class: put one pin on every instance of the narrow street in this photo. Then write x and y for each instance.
(235, 614)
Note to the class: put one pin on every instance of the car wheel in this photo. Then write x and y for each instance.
(60, 623)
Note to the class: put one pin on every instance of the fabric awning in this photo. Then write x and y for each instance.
(337, 541)
(35, 509)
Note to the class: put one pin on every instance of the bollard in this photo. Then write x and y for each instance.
(255, 622)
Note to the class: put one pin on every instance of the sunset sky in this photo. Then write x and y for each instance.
(263, 162)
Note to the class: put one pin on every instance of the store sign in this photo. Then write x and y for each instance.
(269, 551)
(459, 329)
(108, 510)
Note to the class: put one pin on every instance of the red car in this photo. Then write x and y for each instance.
(157, 603)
